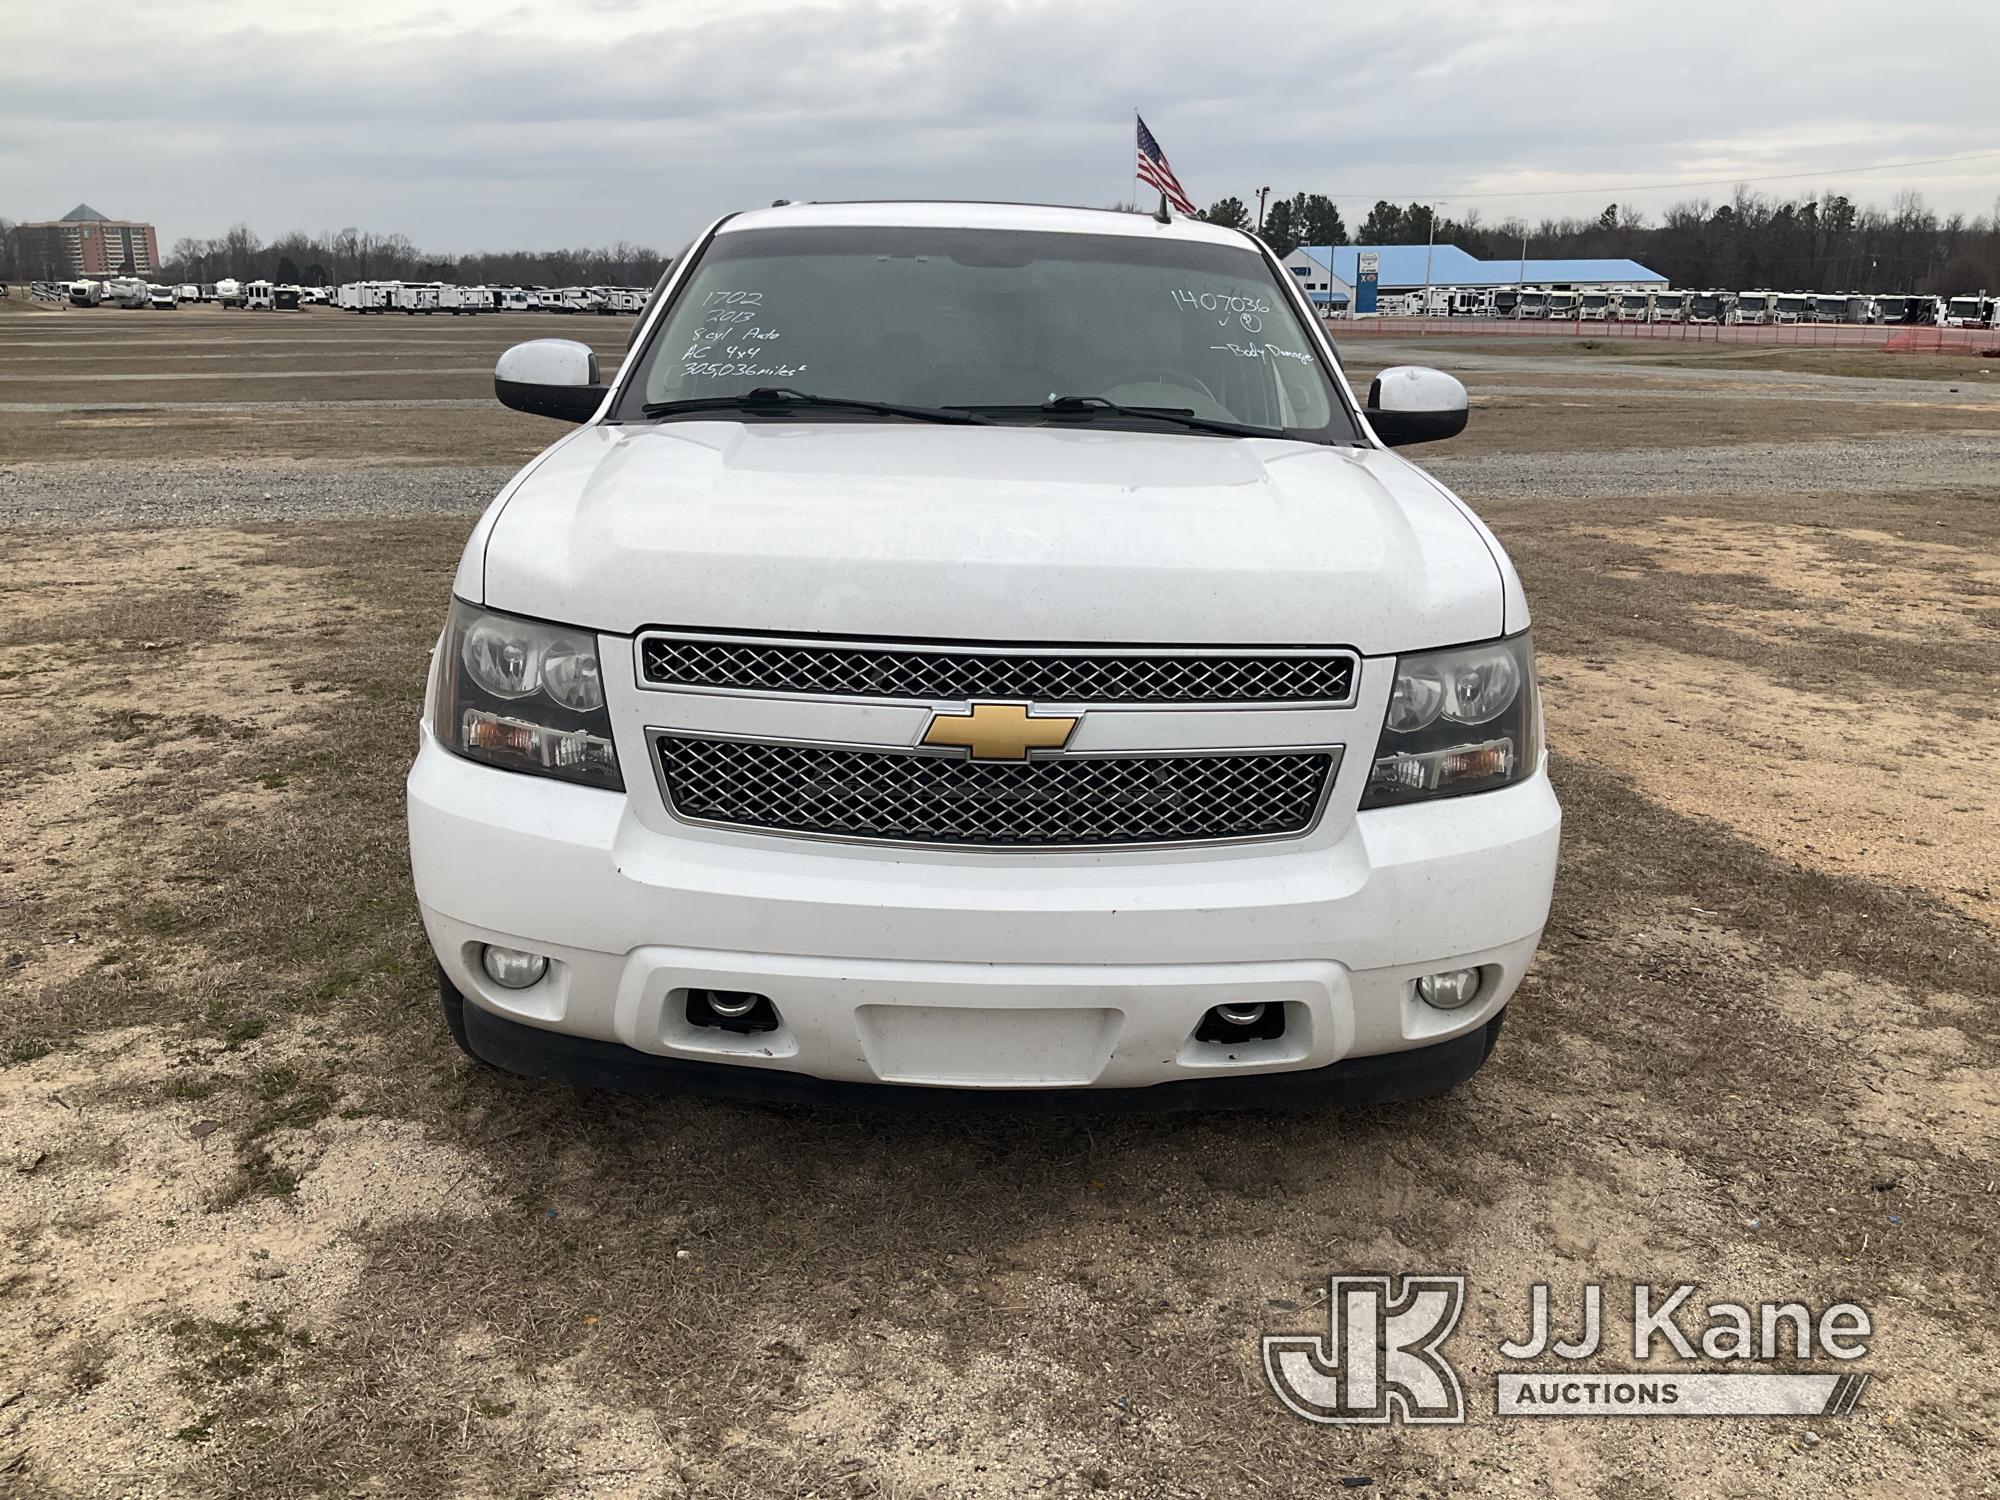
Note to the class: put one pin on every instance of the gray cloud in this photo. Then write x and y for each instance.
(463, 126)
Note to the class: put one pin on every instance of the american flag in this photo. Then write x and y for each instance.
(1153, 168)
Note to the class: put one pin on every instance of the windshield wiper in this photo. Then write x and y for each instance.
(784, 398)
(1180, 416)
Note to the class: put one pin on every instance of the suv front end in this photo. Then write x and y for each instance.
(1045, 756)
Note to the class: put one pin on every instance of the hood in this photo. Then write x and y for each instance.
(991, 534)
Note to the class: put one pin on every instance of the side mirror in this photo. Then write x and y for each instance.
(550, 378)
(1410, 404)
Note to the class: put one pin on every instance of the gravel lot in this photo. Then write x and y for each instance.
(219, 493)
(169, 493)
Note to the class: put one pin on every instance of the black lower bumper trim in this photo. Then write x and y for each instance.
(1387, 1078)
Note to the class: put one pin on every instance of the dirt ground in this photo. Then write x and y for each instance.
(264, 1232)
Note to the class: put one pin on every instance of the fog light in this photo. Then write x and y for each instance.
(1449, 990)
(512, 969)
(1239, 1015)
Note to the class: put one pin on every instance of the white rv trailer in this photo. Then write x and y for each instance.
(127, 291)
(414, 297)
(1562, 305)
(1593, 307)
(464, 299)
(365, 296)
(1969, 312)
(1791, 307)
(1633, 307)
(625, 299)
(162, 298)
(286, 298)
(1534, 303)
(1753, 307)
(86, 293)
(258, 296)
(229, 292)
(518, 299)
(1669, 307)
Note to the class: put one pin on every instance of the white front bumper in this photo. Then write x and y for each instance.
(998, 971)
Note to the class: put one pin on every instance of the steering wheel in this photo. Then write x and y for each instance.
(1164, 376)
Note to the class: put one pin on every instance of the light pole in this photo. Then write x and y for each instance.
(1262, 194)
(1431, 222)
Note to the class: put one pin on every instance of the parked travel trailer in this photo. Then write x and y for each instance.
(187, 291)
(162, 298)
(1593, 307)
(86, 293)
(1669, 307)
(1633, 307)
(1969, 312)
(518, 299)
(257, 296)
(127, 291)
(229, 292)
(364, 296)
(1791, 307)
(624, 299)
(1708, 307)
(285, 298)
(1753, 307)
(464, 299)
(415, 297)
(1534, 303)
(1562, 305)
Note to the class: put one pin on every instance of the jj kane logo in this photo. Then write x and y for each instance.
(1382, 1357)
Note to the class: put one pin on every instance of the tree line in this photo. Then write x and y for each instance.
(1824, 243)
(335, 256)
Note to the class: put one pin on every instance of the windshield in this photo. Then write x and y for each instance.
(1791, 304)
(1533, 299)
(1964, 306)
(989, 318)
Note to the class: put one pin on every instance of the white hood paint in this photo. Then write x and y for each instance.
(1002, 533)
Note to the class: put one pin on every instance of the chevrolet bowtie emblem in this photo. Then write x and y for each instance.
(999, 731)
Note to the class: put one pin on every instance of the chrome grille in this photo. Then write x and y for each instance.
(930, 799)
(1027, 674)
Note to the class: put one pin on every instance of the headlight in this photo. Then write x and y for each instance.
(524, 696)
(1463, 720)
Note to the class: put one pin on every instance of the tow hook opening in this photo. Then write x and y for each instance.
(1230, 1024)
(741, 1011)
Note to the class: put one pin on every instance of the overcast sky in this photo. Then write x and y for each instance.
(482, 126)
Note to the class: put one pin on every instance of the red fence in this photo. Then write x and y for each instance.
(1888, 338)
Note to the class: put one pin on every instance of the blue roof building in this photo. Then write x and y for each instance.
(1328, 272)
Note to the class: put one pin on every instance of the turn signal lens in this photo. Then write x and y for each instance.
(524, 696)
(1462, 720)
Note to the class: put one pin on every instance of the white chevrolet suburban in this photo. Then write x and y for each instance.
(982, 648)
